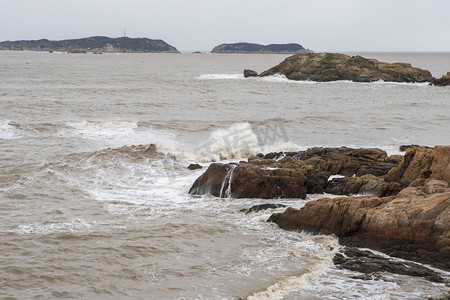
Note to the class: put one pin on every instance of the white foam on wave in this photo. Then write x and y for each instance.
(280, 78)
(236, 142)
(220, 76)
(277, 78)
(338, 283)
(382, 82)
(323, 261)
(75, 225)
(9, 131)
(120, 130)
(337, 176)
(107, 126)
(117, 134)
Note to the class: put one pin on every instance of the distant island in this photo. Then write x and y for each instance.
(95, 44)
(261, 49)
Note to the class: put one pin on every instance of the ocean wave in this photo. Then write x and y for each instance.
(236, 142)
(220, 76)
(9, 130)
(106, 126)
(277, 78)
(74, 226)
(321, 261)
(99, 131)
(280, 78)
(116, 134)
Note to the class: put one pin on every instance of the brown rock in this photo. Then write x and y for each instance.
(250, 73)
(317, 182)
(347, 161)
(441, 163)
(416, 164)
(194, 167)
(443, 81)
(293, 177)
(334, 66)
(212, 181)
(260, 207)
(376, 170)
(344, 186)
(415, 224)
(246, 180)
(367, 262)
(364, 185)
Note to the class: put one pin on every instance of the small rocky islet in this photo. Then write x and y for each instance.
(403, 210)
(325, 67)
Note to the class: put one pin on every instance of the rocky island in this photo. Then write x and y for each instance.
(95, 44)
(403, 207)
(323, 67)
(260, 49)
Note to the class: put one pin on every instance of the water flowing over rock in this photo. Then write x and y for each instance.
(212, 181)
(334, 66)
(373, 265)
(294, 174)
(414, 224)
(250, 181)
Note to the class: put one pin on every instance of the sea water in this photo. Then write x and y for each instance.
(94, 186)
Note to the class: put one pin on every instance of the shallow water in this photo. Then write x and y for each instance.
(93, 188)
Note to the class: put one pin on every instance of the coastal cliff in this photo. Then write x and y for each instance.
(94, 44)
(250, 48)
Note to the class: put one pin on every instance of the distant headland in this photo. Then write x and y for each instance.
(96, 44)
(291, 48)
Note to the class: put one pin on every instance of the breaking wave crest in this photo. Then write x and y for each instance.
(102, 126)
(323, 261)
(280, 78)
(9, 131)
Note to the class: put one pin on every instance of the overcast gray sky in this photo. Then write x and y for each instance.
(320, 25)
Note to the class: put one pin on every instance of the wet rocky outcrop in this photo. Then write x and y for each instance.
(261, 207)
(414, 224)
(250, 73)
(246, 180)
(295, 174)
(194, 167)
(416, 164)
(333, 66)
(403, 148)
(366, 184)
(373, 265)
(443, 81)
